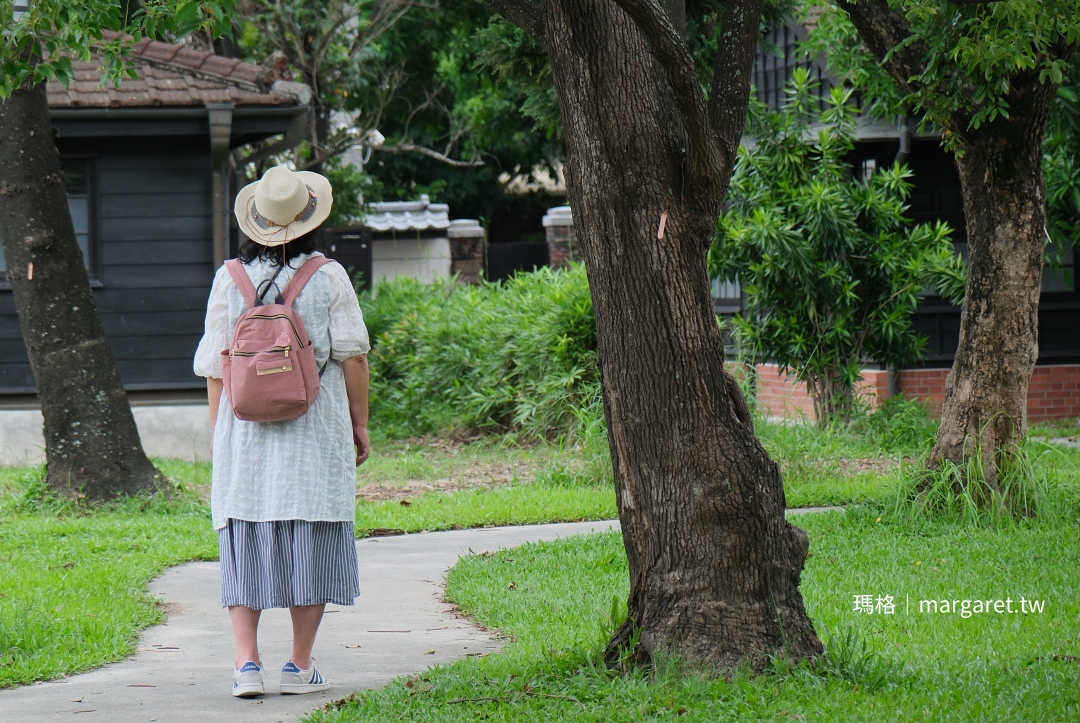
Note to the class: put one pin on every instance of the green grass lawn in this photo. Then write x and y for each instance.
(73, 587)
(908, 665)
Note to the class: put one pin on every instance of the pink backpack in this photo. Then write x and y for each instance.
(269, 372)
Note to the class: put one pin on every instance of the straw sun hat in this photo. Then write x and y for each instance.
(283, 205)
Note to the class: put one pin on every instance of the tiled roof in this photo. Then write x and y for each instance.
(408, 215)
(175, 75)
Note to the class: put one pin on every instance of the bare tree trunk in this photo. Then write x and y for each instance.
(92, 446)
(714, 566)
(985, 407)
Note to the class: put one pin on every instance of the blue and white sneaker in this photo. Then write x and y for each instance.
(248, 681)
(295, 681)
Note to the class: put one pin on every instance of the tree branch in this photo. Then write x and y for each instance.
(384, 16)
(410, 147)
(523, 13)
(730, 91)
(672, 54)
(888, 36)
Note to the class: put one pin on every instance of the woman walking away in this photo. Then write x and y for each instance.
(284, 487)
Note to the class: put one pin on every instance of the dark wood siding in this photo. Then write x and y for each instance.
(153, 245)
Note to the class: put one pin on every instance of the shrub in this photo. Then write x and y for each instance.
(830, 267)
(518, 355)
(899, 425)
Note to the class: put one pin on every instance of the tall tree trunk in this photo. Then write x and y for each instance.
(92, 446)
(985, 409)
(714, 566)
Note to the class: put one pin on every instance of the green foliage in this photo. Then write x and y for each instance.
(518, 355)
(492, 84)
(830, 267)
(353, 190)
(467, 77)
(899, 426)
(1061, 170)
(41, 46)
(975, 53)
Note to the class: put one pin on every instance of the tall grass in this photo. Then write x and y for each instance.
(1037, 482)
(513, 356)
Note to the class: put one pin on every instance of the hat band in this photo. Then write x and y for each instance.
(266, 224)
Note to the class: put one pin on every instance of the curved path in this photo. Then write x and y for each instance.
(181, 671)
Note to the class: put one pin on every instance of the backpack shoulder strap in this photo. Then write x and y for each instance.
(235, 267)
(306, 271)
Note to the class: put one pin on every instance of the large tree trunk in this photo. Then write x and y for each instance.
(714, 566)
(985, 409)
(92, 446)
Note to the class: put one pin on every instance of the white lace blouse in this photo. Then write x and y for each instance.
(300, 469)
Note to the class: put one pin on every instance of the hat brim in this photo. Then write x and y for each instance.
(281, 235)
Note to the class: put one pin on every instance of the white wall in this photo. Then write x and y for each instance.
(422, 259)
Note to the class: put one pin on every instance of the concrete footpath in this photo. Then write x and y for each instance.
(182, 670)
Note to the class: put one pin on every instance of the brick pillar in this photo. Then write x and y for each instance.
(561, 239)
(466, 238)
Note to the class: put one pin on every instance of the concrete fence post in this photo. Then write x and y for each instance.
(561, 239)
(466, 238)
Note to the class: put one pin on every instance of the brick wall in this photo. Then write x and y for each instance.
(1054, 392)
(927, 385)
(561, 245)
(779, 396)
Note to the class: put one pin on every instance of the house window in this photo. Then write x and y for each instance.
(78, 173)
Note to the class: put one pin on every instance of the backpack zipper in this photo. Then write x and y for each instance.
(296, 334)
(285, 349)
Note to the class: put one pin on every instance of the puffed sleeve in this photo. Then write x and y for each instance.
(216, 335)
(348, 334)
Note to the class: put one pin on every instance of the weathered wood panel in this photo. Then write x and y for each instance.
(151, 209)
(150, 252)
(16, 378)
(151, 206)
(174, 229)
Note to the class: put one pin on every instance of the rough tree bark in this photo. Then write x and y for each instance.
(92, 446)
(714, 566)
(985, 408)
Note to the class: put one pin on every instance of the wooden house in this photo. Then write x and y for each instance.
(150, 183)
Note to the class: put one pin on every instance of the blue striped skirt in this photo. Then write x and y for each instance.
(287, 563)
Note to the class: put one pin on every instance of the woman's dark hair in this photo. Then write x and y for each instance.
(277, 255)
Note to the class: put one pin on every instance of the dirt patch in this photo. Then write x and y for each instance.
(877, 465)
(406, 490)
(473, 475)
